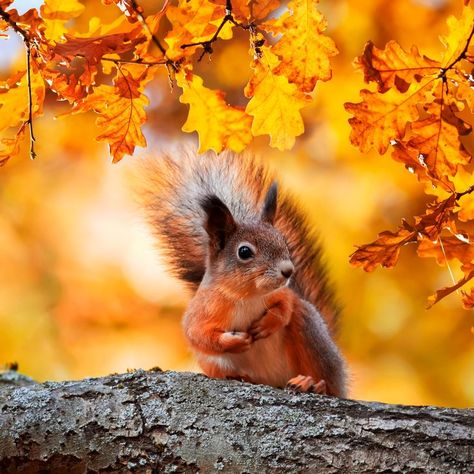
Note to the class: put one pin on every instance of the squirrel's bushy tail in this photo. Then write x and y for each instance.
(173, 188)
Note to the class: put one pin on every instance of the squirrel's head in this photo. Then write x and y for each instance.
(250, 258)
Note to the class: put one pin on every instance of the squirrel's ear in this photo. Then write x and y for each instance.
(270, 204)
(220, 224)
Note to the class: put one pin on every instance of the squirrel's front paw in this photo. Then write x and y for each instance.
(266, 326)
(235, 341)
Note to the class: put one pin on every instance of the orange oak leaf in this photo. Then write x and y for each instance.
(382, 118)
(438, 216)
(448, 247)
(153, 22)
(10, 146)
(93, 48)
(393, 66)
(443, 292)
(275, 103)
(410, 157)
(384, 251)
(303, 49)
(468, 299)
(121, 110)
(252, 10)
(218, 124)
(193, 21)
(437, 140)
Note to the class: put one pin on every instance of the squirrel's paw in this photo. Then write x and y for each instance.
(232, 341)
(265, 326)
(306, 383)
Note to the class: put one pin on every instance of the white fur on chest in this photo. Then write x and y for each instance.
(266, 361)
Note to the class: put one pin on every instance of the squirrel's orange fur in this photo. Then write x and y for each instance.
(262, 304)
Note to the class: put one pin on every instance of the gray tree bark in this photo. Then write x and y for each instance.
(169, 422)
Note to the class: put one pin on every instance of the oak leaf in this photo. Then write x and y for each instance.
(437, 140)
(459, 35)
(121, 110)
(218, 124)
(56, 13)
(443, 292)
(468, 299)
(437, 217)
(275, 103)
(193, 21)
(303, 49)
(14, 99)
(448, 247)
(393, 66)
(382, 118)
(10, 146)
(384, 251)
(251, 10)
(93, 48)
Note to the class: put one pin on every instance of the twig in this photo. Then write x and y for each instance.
(27, 41)
(125, 61)
(30, 103)
(7, 18)
(462, 55)
(468, 191)
(171, 65)
(207, 44)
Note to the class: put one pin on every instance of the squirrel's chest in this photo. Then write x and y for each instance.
(266, 361)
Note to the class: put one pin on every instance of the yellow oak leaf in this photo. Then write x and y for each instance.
(459, 35)
(56, 13)
(121, 110)
(219, 125)
(381, 118)
(14, 99)
(10, 146)
(275, 103)
(303, 49)
(464, 84)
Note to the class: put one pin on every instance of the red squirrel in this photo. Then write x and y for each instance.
(262, 309)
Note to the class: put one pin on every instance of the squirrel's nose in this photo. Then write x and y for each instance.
(286, 268)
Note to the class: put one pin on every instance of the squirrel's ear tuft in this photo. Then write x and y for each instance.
(270, 204)
(220, 224)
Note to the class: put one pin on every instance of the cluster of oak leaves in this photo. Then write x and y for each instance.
(419, 109)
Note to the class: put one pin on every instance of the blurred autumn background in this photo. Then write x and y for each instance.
(83, 292)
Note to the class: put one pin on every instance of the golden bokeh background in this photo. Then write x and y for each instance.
(83, 292)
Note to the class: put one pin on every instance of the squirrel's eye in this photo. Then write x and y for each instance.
(245, 252)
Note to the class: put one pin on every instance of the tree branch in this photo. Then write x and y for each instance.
(169, 422)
